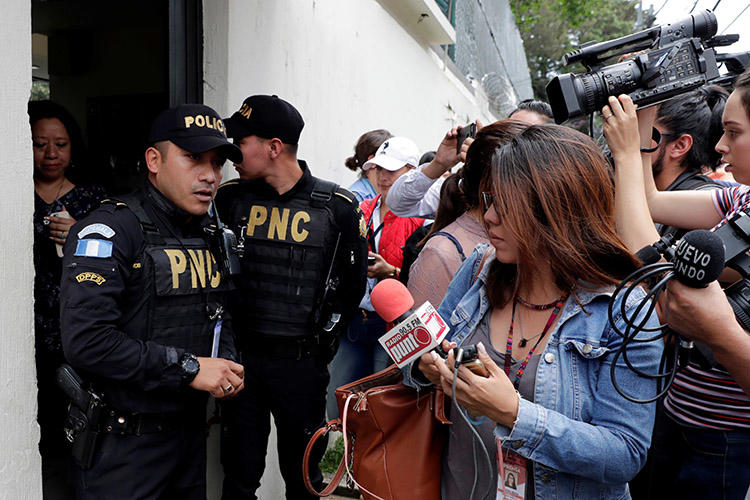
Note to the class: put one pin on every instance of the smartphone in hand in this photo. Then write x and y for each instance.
(469, 130)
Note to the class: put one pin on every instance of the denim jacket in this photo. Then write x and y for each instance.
(585, 440)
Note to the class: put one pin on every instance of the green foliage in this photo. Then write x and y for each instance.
(39, 90)
(551, 28)
(332, 457)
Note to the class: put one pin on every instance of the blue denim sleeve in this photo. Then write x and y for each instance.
(611, 446)
(458, 287)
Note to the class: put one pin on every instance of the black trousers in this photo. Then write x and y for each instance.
(164, 466)
(294, 392)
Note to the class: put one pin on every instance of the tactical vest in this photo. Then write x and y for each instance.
(288, 251)
(183, 281)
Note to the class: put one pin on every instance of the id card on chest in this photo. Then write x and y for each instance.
(511, 474)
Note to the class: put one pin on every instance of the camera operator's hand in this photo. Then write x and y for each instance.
(380, 269)
(620, 125)
(704, 315)
(219, 377)
(493, 396)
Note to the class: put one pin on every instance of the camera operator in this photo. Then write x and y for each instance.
(706, 445)
(417, 193)
(690, 127)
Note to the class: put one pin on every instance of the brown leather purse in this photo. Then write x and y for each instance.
(394, 437)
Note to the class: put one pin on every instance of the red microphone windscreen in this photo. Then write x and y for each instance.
(391, 299)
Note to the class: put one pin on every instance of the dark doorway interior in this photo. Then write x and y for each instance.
(115, 65)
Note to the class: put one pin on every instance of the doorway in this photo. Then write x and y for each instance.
(115, 66)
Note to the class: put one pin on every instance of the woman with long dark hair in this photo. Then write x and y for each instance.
(458, 224)
(58, 203)
(535, 303)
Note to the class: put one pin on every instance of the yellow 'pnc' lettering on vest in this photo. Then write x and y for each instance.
(203, 270)
(278, 224)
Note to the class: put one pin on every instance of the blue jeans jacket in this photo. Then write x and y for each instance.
(585, 439)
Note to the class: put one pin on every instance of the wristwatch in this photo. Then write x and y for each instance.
(189, 366)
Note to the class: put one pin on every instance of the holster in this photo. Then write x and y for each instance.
(81, 433)
(82, 422)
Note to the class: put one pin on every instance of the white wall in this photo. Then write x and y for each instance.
(347, 65)
(20, 464)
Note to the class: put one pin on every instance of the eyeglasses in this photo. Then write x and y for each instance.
(488, 199)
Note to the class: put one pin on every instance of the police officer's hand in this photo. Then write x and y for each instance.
(381, 269)
(59, 227)
(219, 377)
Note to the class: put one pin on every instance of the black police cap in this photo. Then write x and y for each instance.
(266, 116)
(195, 128)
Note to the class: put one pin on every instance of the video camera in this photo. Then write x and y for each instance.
(736, 64)
(735, 236)
(678, 57)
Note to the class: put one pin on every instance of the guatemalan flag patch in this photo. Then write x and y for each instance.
(94, 248)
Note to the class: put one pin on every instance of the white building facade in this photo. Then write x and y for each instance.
(349, 66)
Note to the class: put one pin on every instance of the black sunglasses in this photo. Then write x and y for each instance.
(488, 199)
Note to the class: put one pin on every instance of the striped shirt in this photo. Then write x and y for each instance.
(711, 398)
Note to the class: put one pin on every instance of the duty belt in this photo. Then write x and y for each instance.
(122, 422)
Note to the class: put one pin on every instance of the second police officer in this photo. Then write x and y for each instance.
(142, 298)
(303, 275)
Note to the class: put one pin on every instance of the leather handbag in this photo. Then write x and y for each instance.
(393, 438)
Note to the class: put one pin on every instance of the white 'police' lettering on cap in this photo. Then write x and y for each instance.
(94, 248)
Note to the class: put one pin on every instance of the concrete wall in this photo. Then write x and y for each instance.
(20, 464)
(348, 66)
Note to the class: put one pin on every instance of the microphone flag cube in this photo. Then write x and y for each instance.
(420, 332)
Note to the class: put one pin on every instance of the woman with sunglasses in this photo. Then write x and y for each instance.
(535, 303)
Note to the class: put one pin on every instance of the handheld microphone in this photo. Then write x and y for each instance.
(417, 330)
(699, 258)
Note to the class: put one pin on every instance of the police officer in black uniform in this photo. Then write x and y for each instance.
(303, 275)
(142, 316)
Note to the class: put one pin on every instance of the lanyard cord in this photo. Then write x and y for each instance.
(509, 343)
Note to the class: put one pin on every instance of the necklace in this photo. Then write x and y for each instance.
(537, 307)
(509, 344)
(59, 190)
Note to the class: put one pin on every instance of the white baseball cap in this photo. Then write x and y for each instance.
(395, 153)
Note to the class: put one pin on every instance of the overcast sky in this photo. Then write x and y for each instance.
(726, 12)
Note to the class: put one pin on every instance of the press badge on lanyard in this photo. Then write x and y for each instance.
(511, 474)
(217, 332)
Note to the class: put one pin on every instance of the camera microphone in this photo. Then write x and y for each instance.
(417, 330)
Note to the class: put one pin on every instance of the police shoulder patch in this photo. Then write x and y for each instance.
(362, 225)
(94, 248)
(89, 276)
(98, 228)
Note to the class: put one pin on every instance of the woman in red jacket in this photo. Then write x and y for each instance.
(359, 352)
